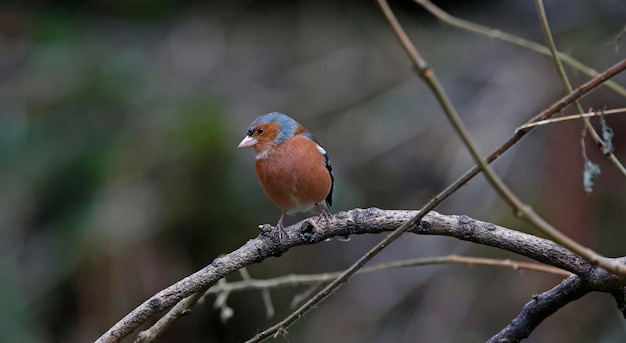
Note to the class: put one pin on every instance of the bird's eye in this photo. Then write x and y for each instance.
(259, 131)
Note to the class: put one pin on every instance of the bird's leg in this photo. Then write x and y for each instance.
(281, 228)
(325, 214)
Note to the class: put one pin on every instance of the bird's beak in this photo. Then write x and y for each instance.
(246, 142)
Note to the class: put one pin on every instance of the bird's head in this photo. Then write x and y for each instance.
(270, 129)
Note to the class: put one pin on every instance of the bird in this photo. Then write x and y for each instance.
(292, 166)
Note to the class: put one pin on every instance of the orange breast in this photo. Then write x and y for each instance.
(293, 175)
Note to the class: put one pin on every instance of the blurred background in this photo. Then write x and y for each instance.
(119, 173)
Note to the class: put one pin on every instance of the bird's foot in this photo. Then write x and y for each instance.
(327, 216)
(281, 233)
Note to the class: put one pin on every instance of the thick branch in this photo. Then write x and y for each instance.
(363, 221)
(541, 307)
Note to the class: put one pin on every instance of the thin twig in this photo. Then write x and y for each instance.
(264, 286)
(522, 210)
(427, 74)
(265, 293)
(294, 280)
(182, 308)
(362, 221)
(556, 107)
(559, 66)
(572, 117)
(615, 42)
(201, 280)
(281, 326)
(519, 41)
(302, 296)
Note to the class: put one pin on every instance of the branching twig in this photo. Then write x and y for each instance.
(519, 41)
(205, 277)
(572, 117)
(522, 210)
(363, 221)
(149, 335)
(265, 293)
(615, 42)
(248, 283)
(428, 76)
(295, 280)
(258, 249)
(559, 66)
(282, 326)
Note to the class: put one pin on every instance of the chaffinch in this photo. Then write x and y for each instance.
(293, 168)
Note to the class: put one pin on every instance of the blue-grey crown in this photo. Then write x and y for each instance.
(288, 126)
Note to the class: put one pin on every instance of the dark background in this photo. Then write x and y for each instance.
(119, 173)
